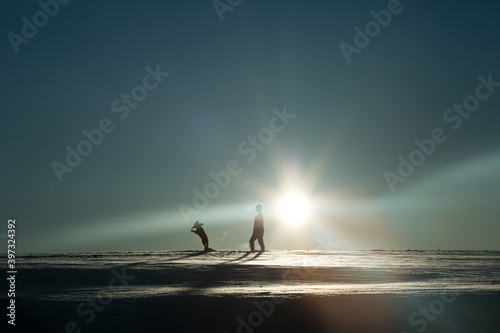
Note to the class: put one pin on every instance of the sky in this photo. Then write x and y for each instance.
(124, 122)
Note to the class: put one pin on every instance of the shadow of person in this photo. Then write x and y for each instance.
(244, 258)
(246, 254)
(187, 256)
(254, 257)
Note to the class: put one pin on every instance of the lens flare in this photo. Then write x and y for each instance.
(294, 209)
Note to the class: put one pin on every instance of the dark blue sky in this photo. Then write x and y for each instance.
(353, 120)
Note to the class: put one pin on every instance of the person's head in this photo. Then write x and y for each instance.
(258, 208)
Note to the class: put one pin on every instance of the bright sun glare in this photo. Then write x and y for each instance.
(294, 209)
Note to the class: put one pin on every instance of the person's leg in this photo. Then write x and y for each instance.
(204, 241)
(261, 243)
(252, 241)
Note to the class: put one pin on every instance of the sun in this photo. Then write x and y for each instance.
(294, 209)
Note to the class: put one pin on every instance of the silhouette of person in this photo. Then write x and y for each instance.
(198, 229)
(258, 230)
